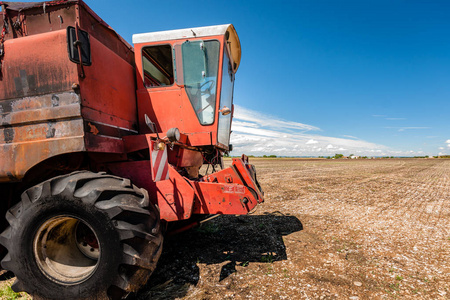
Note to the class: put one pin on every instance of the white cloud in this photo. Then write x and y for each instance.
(247, 124)
(448, 143)
(264, 120)
(311, 141)
(257, 134)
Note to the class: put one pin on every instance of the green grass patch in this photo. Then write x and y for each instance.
(6, 292)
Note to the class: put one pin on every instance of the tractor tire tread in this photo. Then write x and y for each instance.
(106, 193)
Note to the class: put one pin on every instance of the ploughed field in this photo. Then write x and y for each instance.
(329, 229)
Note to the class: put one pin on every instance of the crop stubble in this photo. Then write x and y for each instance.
(329, 229)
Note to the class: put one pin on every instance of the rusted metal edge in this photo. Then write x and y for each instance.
(18, 158)
(20, 6)
(42, 109)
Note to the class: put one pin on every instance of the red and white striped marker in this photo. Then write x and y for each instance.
(159, 163)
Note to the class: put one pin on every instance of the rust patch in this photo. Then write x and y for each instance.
(5, 106)
(50, 130)
(8, 134)
(93, 129)
(55, 100)
(36, 128)
(11, 176)
(25, 84)
(20, 157)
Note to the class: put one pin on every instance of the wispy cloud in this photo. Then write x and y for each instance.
(264, 120)
(350, 136)
(407, 128)
(257, 133)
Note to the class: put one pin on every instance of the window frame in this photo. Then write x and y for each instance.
(158, 67)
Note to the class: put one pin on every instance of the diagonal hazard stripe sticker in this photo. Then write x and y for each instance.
(159, 162)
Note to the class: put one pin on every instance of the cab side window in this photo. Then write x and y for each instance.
(157, 66)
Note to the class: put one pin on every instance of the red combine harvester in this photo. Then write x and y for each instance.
(102, 146)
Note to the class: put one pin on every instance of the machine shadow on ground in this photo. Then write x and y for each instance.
(229, 241)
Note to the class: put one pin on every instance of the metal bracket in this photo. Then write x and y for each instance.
(77, 43)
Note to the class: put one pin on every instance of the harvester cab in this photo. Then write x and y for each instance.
(185, 81)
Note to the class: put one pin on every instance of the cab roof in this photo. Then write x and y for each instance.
(197, 32)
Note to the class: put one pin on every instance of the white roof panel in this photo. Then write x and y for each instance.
(180, 34)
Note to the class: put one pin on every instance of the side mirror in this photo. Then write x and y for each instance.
(82, 42)
(194, 62)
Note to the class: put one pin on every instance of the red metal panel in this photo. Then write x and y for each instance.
(101, 31)
(243, 169)
(223, 198)
(108, 100)
(25, 19)
(239, 173)
(174, 197)
(37, 65)
(40, 113)
(109, 88)
(230, 191)
(97, 143)
(135, 143)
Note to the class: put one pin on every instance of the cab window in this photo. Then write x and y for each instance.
(200, 69)
(158, 66)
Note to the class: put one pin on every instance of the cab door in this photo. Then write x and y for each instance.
(226, 102)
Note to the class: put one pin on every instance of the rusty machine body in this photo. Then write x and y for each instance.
(86, 119)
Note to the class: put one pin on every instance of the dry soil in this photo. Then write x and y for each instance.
(329, 229)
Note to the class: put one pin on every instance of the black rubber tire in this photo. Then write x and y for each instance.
(124, 221)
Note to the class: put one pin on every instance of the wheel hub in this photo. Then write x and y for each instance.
(66, 250)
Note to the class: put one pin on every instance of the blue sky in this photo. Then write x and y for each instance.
(324, 77)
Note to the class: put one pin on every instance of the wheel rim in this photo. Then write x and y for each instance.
(66, 250)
